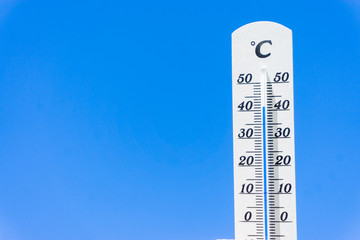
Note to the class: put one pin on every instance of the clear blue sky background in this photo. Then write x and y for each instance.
(116, 120)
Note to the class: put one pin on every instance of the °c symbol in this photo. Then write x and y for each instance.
(258, 47)
(252, 43)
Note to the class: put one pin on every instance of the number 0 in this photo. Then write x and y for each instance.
(248, 216)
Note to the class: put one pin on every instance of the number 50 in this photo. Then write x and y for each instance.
(281, 76)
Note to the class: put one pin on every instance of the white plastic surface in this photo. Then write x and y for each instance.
(263, 132)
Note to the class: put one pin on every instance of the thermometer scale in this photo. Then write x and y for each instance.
(263, 132)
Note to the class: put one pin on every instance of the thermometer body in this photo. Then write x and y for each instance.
(263, 132)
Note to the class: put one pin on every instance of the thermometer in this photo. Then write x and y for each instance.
(263, 132)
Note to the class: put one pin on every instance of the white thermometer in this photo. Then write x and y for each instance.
(263, 132)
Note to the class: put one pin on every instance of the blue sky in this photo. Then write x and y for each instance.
(116, 123)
